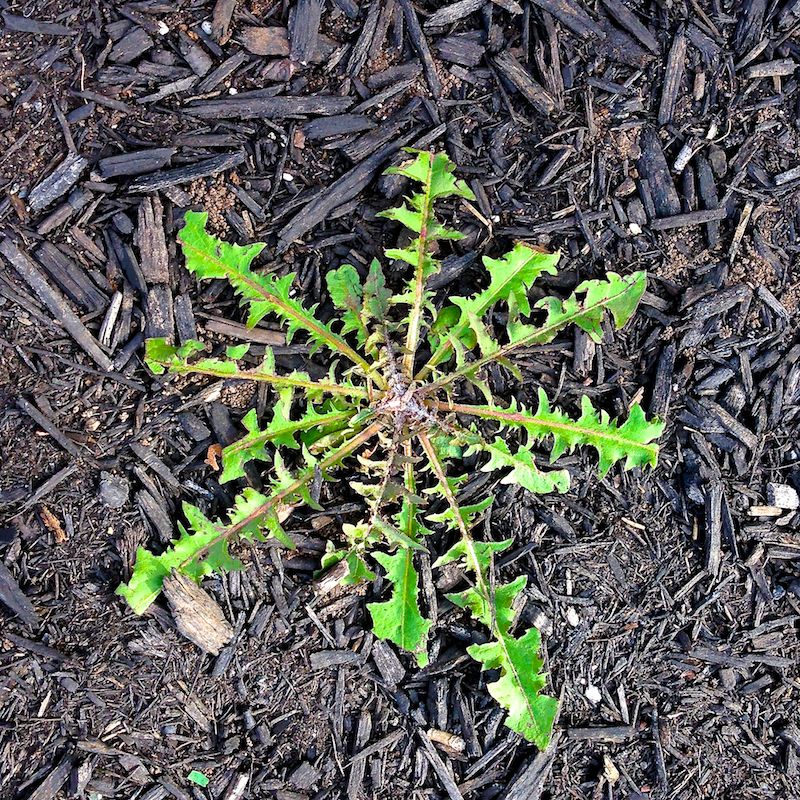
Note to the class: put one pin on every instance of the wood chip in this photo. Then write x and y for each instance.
(14, 598)
(263, 41)
(58, 182)
(54, 301)
(197, 615)
(253, 105)
(520, 78)
(136, 162)
(673, 74)
(202, 169)
(151, 241)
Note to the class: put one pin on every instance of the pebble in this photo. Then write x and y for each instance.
(114, 490)
(593, 694)
(783, 496)
(573, 617)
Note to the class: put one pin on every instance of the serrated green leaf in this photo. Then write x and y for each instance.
(161, 356)
(633, 439)
(618, 294)
(496, 611)
(468, 513)
(520, 682)
(280, 432)
(209, 257)
(433, 170)
(524, 471)
(511, 278)
(254, 515)
(347, 294)
(197, 552)
(518, 689)
(376, 294)
(483, 552)
(398, 619)
(435, 173)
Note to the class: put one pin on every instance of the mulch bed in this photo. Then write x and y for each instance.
(631, 135)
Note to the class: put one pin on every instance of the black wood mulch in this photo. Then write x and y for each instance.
(629, 134)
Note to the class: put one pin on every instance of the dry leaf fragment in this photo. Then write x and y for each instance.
(213, 453)
(53, 524)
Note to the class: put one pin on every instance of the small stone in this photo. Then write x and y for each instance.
(573, 617)
(305, 776)
(718, 160)
(113, 490)
(627, 187)
(593, 694)
(610, 770)
(783, 496)
(728, 678)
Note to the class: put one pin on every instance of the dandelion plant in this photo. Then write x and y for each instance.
(392, 408)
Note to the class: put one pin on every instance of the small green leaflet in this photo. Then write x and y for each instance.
(496, 610)
(361, 305)
(347, 294)
(483, 553)
(159, 356)
(468, 513)
(524, 471)
(399, 619)
(357, 569)
(435, 172)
